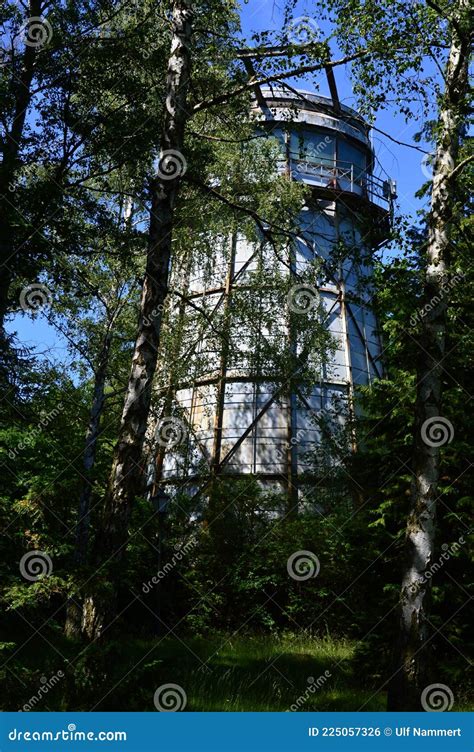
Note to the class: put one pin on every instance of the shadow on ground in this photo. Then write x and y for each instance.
(222, 673)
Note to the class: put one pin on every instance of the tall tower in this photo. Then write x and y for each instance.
(239, 404)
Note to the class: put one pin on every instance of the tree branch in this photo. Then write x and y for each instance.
(277, 51)
(275, 77)
(459, 167)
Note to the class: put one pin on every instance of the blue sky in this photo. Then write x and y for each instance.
(402, 164)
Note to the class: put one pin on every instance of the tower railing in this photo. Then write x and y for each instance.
(346, 177)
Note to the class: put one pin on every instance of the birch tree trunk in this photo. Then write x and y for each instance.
(431, 429)
(126, 468)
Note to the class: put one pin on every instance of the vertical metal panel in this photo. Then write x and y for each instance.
(230, 394)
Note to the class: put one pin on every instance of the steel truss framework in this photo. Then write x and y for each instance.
(239, 420)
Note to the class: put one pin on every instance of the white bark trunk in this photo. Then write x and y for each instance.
(412, 664)
(126, 470)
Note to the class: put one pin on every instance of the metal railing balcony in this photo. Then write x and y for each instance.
(345, 177)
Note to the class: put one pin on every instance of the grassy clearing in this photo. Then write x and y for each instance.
(257, 674)
(222, 673)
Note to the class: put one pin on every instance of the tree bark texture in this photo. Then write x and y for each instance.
(124, 483)
(431, 431)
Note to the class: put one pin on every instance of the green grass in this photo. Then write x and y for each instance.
(222, 673)
(270, 674)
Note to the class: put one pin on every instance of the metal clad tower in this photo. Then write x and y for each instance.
(234, 412)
